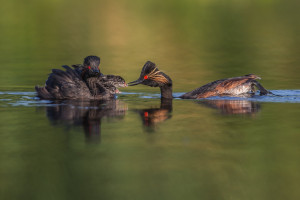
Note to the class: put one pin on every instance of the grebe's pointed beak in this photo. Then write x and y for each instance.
(124, 85)
(139, 81)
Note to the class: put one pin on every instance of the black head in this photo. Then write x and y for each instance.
(152, 77)
(91, 65)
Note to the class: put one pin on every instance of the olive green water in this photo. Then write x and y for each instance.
(138, 147)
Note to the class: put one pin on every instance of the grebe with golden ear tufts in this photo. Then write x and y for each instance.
(237, 86)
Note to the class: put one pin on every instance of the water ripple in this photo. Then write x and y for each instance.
(281, 96)
(28, 99)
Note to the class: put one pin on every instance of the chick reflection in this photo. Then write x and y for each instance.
(230, 107)
(151, 117)
(87, 114)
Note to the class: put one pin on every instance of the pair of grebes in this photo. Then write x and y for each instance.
(87, 82)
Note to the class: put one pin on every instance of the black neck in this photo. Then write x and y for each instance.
(166, 91)
(166, 104)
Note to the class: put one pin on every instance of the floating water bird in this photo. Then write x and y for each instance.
(83, 82)
(237, 86)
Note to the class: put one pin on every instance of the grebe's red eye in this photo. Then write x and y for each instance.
(146, 77)
(146, 114)
(89, 67)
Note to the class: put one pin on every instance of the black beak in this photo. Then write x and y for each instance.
(96, 71)
(139, 81)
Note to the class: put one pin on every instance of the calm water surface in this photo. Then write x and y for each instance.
(137, 146)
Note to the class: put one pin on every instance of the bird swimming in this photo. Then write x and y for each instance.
(85, 82)
(236, 86)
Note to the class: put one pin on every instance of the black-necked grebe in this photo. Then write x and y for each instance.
(237, 86)
(83, 82)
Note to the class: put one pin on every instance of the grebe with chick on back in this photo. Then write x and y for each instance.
(236, 86)
(85, 82)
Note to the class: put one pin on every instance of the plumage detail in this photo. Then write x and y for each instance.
(156, 76)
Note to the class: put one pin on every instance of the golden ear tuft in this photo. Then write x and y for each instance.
(154, 75)
(161, 79)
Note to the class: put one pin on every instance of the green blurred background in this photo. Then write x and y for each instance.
(193, 41)
(193, 152)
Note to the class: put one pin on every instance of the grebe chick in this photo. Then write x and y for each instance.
(237, 86)
(89, 68)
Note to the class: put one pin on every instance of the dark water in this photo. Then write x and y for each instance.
(137, 146)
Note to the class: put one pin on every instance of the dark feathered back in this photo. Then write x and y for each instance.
(63, 85)
(70, 85)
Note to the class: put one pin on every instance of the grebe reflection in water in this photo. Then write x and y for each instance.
(152, 117)
(86, 114)
(233, 107)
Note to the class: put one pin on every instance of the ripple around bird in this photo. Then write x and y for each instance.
(15, 98)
